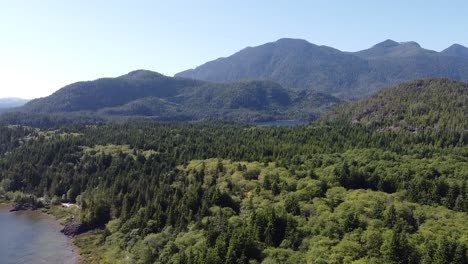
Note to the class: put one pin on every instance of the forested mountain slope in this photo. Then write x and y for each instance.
(149, 94)
(430, 104)
(296, 63)
(110, 92)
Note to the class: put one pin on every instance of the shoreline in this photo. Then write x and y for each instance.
(52, 220)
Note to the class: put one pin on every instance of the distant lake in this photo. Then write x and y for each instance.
(33, 237)
(282, 123)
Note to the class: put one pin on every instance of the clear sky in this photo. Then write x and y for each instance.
(46, 44)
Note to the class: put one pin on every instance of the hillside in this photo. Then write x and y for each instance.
(150, 94)
(296, 63)
(430, 104)
(109, 92)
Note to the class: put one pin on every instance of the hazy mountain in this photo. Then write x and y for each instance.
(290, 62)
(146, 93)
(456, 50)
(393, 49)
(297, 63)
(430, 104)
(12, 102)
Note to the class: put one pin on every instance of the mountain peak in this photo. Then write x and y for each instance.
(292, 40)
(412, 44)
(392, 44)
(457, 46)
(391, 48)
(142, 75)
(460, 46)
(387, 44)
(456, 50)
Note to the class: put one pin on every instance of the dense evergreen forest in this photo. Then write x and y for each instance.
(215, 192)
(430, 104)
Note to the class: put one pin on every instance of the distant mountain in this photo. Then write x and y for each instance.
(150, 94)
(291, 62)
(393, 49)
(12, 102)
(296, 63)
(430, 104)
(456, 50)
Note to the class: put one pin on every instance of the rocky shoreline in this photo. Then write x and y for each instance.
(22, 207)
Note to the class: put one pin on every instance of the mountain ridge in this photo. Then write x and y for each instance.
(297, 63)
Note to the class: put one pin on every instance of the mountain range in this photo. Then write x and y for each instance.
(286, 79)
(296, 63)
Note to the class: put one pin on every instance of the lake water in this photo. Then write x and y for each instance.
(32, 237)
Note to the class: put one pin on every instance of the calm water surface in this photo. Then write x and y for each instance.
(32, 237)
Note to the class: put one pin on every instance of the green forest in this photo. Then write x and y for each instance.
(383, 180)
(216, 192)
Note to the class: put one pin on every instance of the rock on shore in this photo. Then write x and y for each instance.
(74, 229)
(22, 206)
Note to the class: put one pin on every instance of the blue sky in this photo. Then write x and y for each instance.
(46, 44)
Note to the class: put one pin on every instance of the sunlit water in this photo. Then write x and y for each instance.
(32, 237)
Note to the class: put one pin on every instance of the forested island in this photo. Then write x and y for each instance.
(383, 180)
